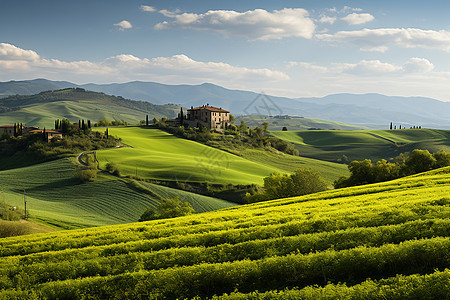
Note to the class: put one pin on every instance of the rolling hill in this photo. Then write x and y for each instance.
(55, 197)
(74, 104)
(159, 155)
(367, 110)
(388, 240)
(292, 123)
(331, 145)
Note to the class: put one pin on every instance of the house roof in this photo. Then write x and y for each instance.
(41, 130)
(210, 108)
(7, 126)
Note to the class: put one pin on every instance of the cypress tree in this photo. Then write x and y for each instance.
(390, 126)
(181, 117)
(146, 120)
(89, 124)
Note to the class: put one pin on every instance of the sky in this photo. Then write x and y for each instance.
(282, 48)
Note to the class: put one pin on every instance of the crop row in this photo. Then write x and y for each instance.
(93, 262)
(212, 233)
(402, 287)
(294, 270)
(319, 216)
(158, 254)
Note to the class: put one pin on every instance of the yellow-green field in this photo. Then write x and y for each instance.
(388, 240)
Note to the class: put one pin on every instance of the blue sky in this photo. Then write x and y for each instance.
(287, 48)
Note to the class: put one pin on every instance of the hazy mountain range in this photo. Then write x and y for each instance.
(371, 110)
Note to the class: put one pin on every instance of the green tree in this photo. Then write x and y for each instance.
(419, 161)
(284, 128)
(302, 182)
(168, 208)
(243, 128)
(442, 159)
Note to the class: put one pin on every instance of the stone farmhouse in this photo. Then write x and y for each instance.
(9, 130)
(213, 118)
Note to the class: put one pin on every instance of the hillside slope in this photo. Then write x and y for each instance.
(55, 197)
(74, 104)
(331, 145)
(292, 123)
(159, 155)
(386, 240)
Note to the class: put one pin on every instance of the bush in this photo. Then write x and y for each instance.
(13, 228)
(86, 173)
(112, 168)
(302, 182)
(10, 213)
(168, 208)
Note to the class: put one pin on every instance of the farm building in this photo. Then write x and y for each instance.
(50, 134)
(213, 118)
(11, 129)
(7, 129)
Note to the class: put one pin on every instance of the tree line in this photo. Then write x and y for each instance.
(365, 172)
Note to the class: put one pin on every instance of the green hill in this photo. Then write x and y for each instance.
(74, 104)
(159, 155)
(331, 145)
(389, 240)
(54, 196)
(293, 123)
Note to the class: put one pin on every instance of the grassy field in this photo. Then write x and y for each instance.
(330, 145)
(55, 197)
(388, 240)
(293, 123)
(159, 155)
(289, 163)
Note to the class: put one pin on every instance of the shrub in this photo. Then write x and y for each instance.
(168, 208)
(112, 168)
(10, 213)
(302, 182)
(86, 173)
(13, 228)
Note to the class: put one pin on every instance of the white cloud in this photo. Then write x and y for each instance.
(348, 8)
(382, 39)
(148, 8)
(370, 67)
(11, 52)
(257, 24)
(24, 64)
(169, 13)
(124, 25)
(327, 19)
(418, 65)
(356, 19)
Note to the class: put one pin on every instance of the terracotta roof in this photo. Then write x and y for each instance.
(7, 126)
(210, 108)
(42, 130)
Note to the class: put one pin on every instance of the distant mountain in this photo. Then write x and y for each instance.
(369, 110)
(76, 103)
